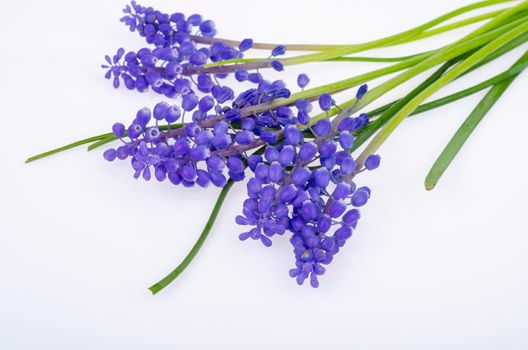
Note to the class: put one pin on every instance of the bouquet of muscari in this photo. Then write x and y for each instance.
(295, 151)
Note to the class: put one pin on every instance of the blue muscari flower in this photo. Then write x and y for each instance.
(325, 102)
(372, 162)
(208, 28)
(302, 80)
(241, 75)
(206, 150)
(277, 65)
(255, 78)
(245, 45)
(176, 53)
(317, 205)
(278, 51)
(361, 91)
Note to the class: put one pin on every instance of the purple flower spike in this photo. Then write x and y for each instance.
(314, 202)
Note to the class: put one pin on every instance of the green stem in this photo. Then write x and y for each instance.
(514, 71)
(327, 52)
(194, 250)
(469, 125)
(337, 59)
(417, 66)
(68, 146)
(469, 91)
(378, 59)
(111, 137)
(365, 133)
(395, 106)
(467, 64)
(454, 25)
(324, 47)
(374, 59)
(476, 38)
(403, 37)
(370, 129)
(316, 47)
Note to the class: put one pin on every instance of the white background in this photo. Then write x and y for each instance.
(81, 240)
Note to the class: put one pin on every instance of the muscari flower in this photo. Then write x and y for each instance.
(208, 148)
(302, 186)
(317, 203)
(182, 47)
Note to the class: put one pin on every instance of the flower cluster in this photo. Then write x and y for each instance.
(176, 54)
(317, 203)
(221, 129)
(302, 182)
(200, 150)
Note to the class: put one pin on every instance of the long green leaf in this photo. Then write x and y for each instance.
(366, 132)
(506, 48)
(201, 239)
(464, 66)
(69, 146)
(465, 130)
(388, 113)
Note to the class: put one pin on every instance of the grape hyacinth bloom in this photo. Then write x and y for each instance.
(181, 47)
(318, 204)
(208, 149)
(208, 135)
